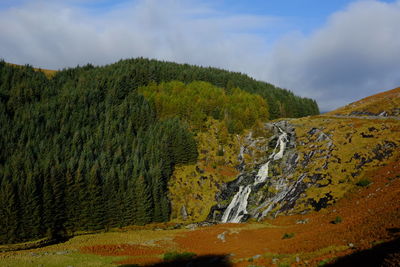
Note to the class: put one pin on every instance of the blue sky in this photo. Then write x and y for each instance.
(335, 51)
(303, 15)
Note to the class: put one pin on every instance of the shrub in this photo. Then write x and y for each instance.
(176, 256)
(288, 235)
(363, 182)
(323, 262)
(337, 220)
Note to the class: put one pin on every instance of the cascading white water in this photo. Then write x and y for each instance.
(238, 206)
(262, 174)
(282, 144)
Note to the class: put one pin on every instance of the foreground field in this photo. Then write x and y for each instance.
(365, 218)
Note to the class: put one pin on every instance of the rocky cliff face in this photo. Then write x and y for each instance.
(319, 160)
(267, 165)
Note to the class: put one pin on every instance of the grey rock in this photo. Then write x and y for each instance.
(305, 221)
(383, 114)
(221, 236)
(62, 252)
(184, 213)
(322, 137)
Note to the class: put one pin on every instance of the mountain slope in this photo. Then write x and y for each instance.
(382, 104)
(324, 159)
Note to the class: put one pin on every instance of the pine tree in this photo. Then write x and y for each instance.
(10, 220)
(71, 203)
(32, 208)
(48, 215)
(59, 212)
(144, 205)
(83, 213)
(95, 200)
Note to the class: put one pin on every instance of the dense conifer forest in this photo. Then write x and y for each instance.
(85, 150)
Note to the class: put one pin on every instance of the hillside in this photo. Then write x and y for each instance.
(383, 104)
(323, 158)
(90, 148)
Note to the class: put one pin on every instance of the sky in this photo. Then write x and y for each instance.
(335, 51)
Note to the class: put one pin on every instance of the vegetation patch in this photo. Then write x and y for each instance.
(288, 235)
(196, 101)
(363, 182)
(337, 220)
(323, 262)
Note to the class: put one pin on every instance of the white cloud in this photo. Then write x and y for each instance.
(355, 54)
(58, 35)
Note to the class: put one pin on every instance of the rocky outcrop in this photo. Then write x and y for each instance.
(267, 183)
(304, 164)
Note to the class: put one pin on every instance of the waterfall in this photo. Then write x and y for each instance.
(282, 145)
(238, 206)
(262, 174)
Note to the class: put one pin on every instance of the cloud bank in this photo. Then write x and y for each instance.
(355, 54)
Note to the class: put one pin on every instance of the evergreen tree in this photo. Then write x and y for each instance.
(95, 200)
(48, 216)
(144, 205)
(9, 230)
(32, 209)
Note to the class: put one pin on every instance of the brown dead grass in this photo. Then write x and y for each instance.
(47, 72)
